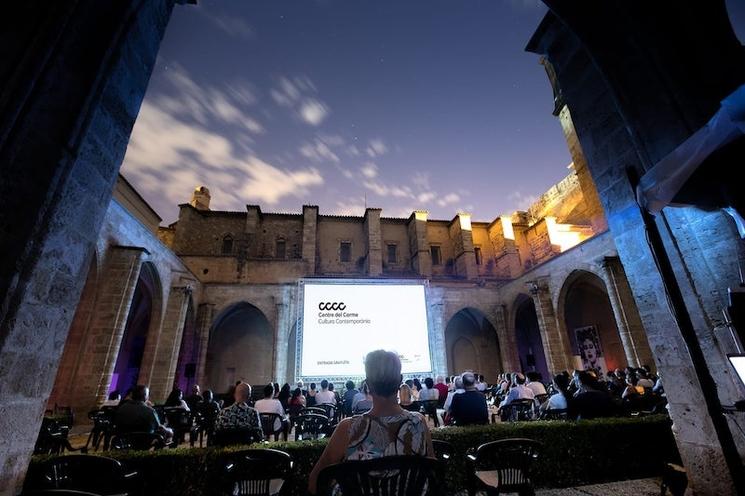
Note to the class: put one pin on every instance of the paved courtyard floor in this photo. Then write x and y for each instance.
(638, 487)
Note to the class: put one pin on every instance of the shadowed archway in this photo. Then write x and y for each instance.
(240, 348)
(528, 337)
(471, 343)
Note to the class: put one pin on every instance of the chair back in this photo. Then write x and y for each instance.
(541, 399)
(314, 409)
(386, 476)
(142, 441)
(505, 464)
(232, 437)
(518, 410)
(311, 426)
(429, 408)
(329, 410)
(178, 418)
(269, 422)
(256, 472)
(555, 414)
(88, 473)
(443, 450)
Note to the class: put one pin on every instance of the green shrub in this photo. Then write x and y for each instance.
(574, 453)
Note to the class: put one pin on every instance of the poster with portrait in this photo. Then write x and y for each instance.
(590, 351)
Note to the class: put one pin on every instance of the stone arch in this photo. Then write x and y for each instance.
(470, 326)
(240, 347)
(186, 368)
(140, 330)
(528, 341)
(73, 345)
(583, 301)
(292, 353)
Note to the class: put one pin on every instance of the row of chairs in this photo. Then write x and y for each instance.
(496, 466)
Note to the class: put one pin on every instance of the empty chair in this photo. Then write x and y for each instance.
(256, 472)
(386, 476)
(518, 410)
(311, 426)
(143, 441)
(88, 473)
(502, 467)
(272, 425)
(429, 408)
(443, 450)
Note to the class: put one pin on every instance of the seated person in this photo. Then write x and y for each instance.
(135, 415)
(429, 392)
(114, 398)
(534, 383)
(559, 400)
(296, 403)
(363, 401)
(271, 405)
(209, 408)
(469, 407)
(589, 401)
(405, 397)
(324, 396)
(457, 389)
(240, 416)
(385, 430)
(195, 398)
(349, 394)
(176, 400)
(519, 390)
(633, 388)
(442, 390)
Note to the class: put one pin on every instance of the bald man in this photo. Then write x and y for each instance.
(240, 416)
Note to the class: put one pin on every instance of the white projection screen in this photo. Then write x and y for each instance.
(344, 320)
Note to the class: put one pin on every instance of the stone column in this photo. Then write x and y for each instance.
(507, 344)
(630, 329)
(281, 333)
(101, 349)
(205, 316)
(555, 345)
(421, 258)
(437, 337)
(61, 146)
(162, 370)
(462, 237)
(374, 255)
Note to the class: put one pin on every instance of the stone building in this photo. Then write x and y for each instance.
(633, 79)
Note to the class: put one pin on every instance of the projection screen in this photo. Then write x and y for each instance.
(344, 320)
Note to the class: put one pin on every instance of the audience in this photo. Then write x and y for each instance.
(429, 393)
(311, 396)
(297, 401)
(195, 398)
(176, 400)
(469, 407)
(269, 404)
(457, 389)
(370, 436)
(239, 415)
(416, 388)
(209, 408)
(534, 383)
(363, 400)
(633, 388)
(135, 415)
(325, 397)
(284, 396)
(113, 400)
(442, 390)
(405, 397)
(519, 390)
(337, 397)
(559, 400)
(589, 401)
(481, 384)
(349, 394)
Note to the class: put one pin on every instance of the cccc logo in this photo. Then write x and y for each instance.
(332, 306)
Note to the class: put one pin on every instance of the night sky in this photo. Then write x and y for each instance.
(402, 105)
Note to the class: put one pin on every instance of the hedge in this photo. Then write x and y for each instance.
(574, 453)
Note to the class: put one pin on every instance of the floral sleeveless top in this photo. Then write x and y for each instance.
(375, 437)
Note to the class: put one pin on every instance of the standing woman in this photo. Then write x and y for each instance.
(386, 430)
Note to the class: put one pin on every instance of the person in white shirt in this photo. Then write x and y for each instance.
(535, 384)
(558, 401)
(458, 382)
(519, 391)
(325, 397)
(481, 384)
(272, 405)
(429, 392)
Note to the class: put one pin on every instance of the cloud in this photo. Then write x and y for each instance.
(318, 152)
(313, 111)
(298, 94)
(233, 26)
(448, 199)
(426, 197)
(350, 206)
(421, 180)
(369, 170)
(382, 189)
(522, 201)
(173, 149)
(376, 148)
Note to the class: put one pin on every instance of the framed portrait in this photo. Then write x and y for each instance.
(590, 350)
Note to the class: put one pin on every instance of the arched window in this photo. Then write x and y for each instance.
(280, 249)
(227, 244)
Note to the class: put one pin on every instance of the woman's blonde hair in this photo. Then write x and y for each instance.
(383, 370)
